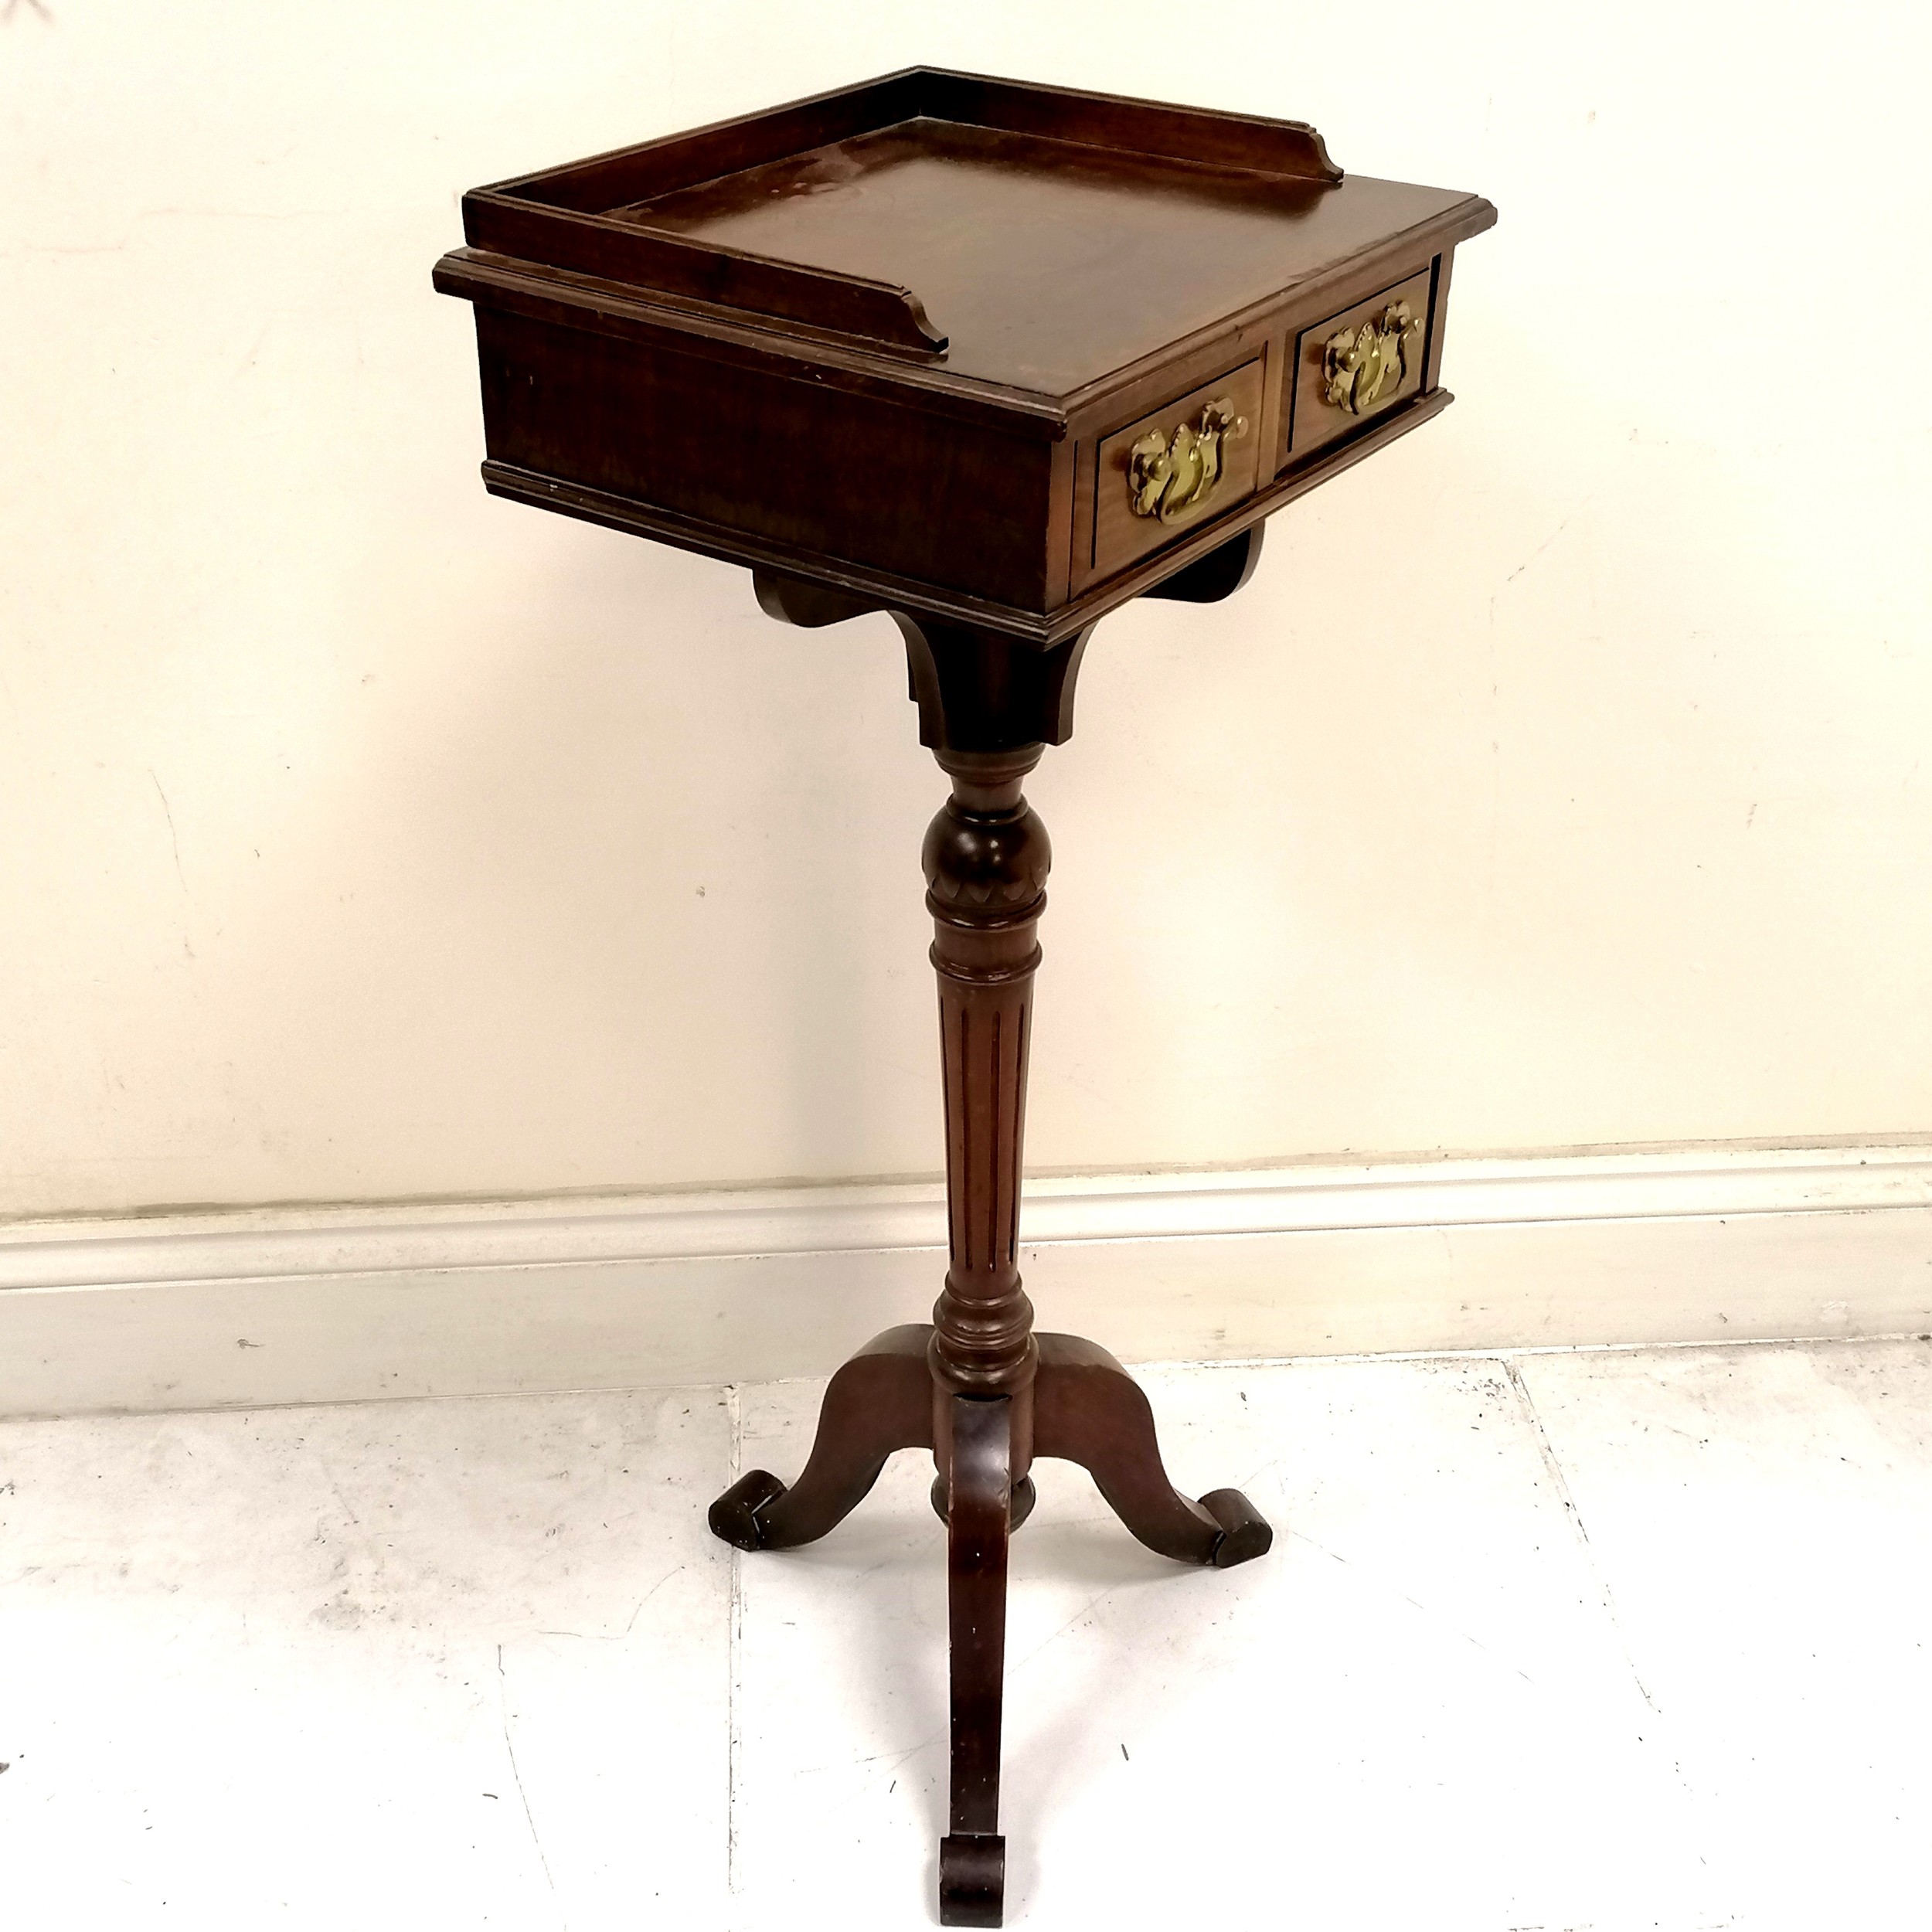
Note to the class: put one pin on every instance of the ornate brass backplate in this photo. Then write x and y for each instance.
(1168, 475)
(1362, 366)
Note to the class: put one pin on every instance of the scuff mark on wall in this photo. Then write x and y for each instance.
(174, 838)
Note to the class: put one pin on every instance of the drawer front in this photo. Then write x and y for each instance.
(1358, 364)
(1177, 467)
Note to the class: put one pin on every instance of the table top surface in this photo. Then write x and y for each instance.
(956, 346)
(1037, 240)
(1047, 263)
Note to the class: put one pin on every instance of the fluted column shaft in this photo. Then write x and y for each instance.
(986, 859)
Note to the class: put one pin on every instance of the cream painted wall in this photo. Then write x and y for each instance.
(1565, 776)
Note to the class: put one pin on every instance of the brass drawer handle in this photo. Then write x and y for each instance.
(1362, 365)
(1167, 476)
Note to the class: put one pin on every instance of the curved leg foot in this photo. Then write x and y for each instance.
(880, 1401)
(972, 1879)
(1088, 1409)
(972, 1857)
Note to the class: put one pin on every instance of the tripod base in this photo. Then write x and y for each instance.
(1081, 1405)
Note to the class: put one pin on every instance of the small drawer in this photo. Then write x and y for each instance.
(1358, 364)
(1178, 468)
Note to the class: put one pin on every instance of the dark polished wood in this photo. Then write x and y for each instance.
(789, 213)
(993, 358)
(1219, 574)
(923, 601)
(1089, 1410)
(986, 857)
(972, 1855)
(881, 338)
(880, 1402)
(977, 1386)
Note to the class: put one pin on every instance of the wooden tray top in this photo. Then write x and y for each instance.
(1026, 262)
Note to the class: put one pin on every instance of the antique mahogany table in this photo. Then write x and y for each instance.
(996, 359)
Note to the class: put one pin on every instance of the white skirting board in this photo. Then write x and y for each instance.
(268, 1307)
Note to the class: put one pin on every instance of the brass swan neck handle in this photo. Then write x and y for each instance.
(1168, 476)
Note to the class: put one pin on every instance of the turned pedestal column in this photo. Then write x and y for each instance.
(977, 1385)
